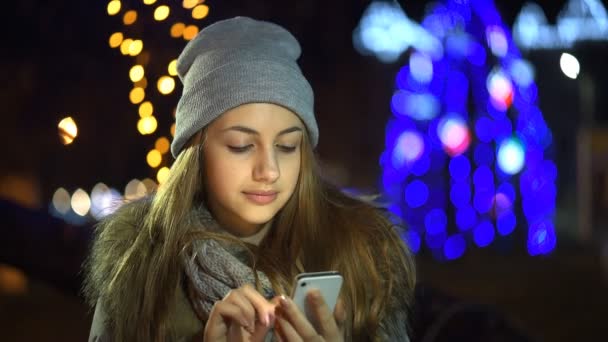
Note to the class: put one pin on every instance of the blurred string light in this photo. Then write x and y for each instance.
(103, 200)
(386, 32)
(68, 131)
(465, 159)
(569, 65)
(579, 20)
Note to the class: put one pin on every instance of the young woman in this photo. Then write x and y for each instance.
(214, 253)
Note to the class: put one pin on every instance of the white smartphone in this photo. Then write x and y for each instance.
(329, 283)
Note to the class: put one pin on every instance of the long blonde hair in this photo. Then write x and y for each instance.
(318, 229)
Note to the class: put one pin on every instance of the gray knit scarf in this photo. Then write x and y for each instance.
(214, 268)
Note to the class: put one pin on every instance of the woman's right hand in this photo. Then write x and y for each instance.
(243, 315)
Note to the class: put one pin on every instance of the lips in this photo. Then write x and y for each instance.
(261, 197)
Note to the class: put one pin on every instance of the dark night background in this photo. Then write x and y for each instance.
(56, 62)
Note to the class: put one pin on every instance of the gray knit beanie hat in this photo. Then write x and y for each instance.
(238, 61)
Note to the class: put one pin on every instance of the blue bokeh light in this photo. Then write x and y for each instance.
(483, 234)
(454, 247)
(460, 168)
(435, 221)
(482, 81)
(505, 223)
(416, 194)
(466, 218)
(460, 194)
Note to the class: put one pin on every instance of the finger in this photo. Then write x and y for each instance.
(286, 331)
(220, 317)
(325, 318)
(340, 313)
(237, 298)
(290, 312)
(263, 307)
(260, 331)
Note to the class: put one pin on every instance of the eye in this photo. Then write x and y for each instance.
(286, 149)
(239, 149)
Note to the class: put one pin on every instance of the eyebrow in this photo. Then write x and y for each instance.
(251, 131)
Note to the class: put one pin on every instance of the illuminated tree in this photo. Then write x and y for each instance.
(466, 149)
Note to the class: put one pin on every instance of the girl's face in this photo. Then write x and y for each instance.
(252, 164)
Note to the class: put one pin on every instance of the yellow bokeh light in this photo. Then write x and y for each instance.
(172, 68)
(125, 45)
(149, 2)
(134, 190)
(188, 4)
(154, 158)
(177, 30)
(161, 13)
(162, 175)
(136, 73)
(81, 202)
(147, 125)
(136, 47)
(200, 11)
(136, 95)
(115, 39)
(67, 130)
(146, 109)
(143, 83)
(150, 185)
(130, 17)
(114, 7)
(165, 85)
(190, 32)
(172, 129)
(162, 144)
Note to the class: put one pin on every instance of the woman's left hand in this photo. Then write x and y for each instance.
(292, 325)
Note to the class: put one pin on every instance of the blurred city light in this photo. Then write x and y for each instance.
(136, 95)
(580, 20)
(162, 144)
(104, 200)
(511, 156)
(154, 158)
(189, 4)
(149, 2)
(115, 39)
(570, 66)
(81, 203)
(129, 17)
(200, 11)
(162, 175)
(136, 73)
(386, 32)
(68, 131)
(146, 109)
(190, 32)
(61, 201)
(114, 7)
(161, 13)
(177, 30)
(147, 125)
(472, 111)
(135, 47)
(125, 46)
(165, 85)
(134, 190)
(172, 68)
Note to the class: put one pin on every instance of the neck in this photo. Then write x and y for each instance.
(256, 237)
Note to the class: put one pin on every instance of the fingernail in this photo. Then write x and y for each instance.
(284, 301)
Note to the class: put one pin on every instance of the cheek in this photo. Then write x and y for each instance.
(221, 174)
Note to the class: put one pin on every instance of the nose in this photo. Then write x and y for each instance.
(266, 169)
